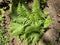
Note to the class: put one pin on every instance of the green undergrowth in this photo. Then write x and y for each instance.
(3, 41)
(28, 24)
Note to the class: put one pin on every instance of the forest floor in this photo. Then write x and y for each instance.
(52, 34)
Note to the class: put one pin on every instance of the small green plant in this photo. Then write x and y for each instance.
(3, 41)
(28, 24)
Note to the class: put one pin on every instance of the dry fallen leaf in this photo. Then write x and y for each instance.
(58, 15)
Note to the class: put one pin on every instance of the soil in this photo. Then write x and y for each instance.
(51, 34)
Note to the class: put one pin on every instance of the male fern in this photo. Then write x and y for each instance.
(28, 24)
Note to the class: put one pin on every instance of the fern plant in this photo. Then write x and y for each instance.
(28, 24)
